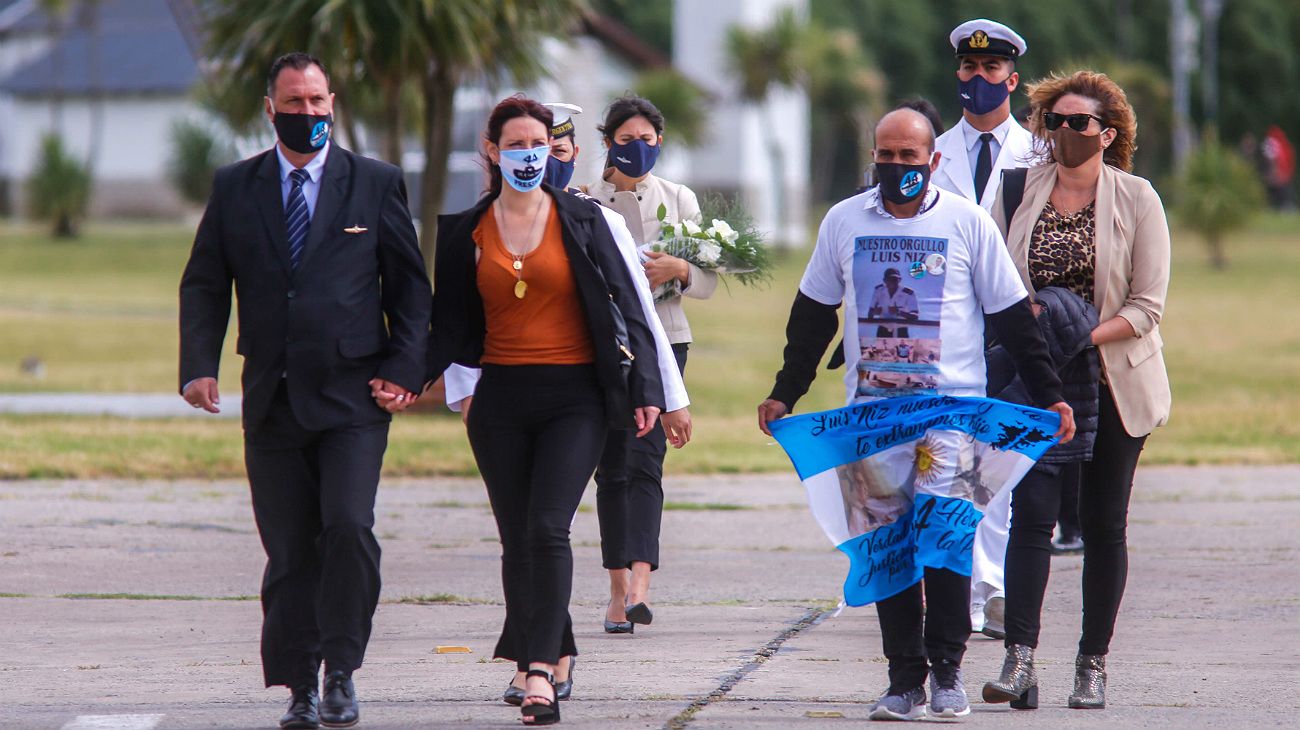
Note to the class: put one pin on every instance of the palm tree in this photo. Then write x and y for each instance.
(468, 40)
(761, 59)
(388, 45)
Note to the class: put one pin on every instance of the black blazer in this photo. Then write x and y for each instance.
(356, 308)
(459, 324)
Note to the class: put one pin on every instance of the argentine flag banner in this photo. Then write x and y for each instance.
(899, 484)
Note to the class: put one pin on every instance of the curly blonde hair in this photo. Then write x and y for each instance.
(1112, 106)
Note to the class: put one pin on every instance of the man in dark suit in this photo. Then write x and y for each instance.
(334, 304)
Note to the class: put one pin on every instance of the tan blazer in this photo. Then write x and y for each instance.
(1132, 277)
(681, 204)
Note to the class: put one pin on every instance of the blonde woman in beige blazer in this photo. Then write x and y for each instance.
(629, 480)
(1084, 223)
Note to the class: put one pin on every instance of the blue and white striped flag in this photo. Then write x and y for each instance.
(899, 484)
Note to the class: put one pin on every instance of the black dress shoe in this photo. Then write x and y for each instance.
(338, 706)
(564, 690)
(302, 714)
(639, 613)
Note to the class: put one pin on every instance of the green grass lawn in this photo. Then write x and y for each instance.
(101, 314)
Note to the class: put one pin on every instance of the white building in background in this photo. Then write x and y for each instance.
(738, 153)
(113, 85)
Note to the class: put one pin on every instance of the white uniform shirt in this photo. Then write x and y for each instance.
(958, 155)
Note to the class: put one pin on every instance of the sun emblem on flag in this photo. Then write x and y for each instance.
(929, 455)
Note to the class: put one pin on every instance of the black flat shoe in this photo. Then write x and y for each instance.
(513, 695)
(640, 614)
(338, 707)
(302, 713)
(546, 712)
(564, 690)
(618, 627)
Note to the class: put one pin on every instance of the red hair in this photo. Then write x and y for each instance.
(511, 107)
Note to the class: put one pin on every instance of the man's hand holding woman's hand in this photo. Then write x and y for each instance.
(390, 396)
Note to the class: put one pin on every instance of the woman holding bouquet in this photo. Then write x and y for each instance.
(629, 494)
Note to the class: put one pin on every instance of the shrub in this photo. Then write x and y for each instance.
(59, 188)
(1218, 192)
(196, 155)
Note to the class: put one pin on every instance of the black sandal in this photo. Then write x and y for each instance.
(541, 713)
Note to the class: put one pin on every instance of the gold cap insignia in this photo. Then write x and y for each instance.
(979, 39)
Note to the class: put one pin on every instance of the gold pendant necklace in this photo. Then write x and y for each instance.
(521, 286)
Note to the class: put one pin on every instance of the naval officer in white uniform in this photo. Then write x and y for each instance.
(987, 140)
(973, 155)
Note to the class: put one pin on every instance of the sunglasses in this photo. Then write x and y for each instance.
(1077, 122)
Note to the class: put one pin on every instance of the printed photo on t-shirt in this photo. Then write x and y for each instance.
(899, 282)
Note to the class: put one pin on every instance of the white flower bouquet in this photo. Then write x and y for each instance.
(734, 248)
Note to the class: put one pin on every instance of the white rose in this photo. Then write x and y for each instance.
(724, 229)
(691, 227)
(709, 253)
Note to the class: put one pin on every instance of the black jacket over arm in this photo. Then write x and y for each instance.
(356, 308)
(600, 274)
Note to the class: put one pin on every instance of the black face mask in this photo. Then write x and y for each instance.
(902, 184)
(304, 133)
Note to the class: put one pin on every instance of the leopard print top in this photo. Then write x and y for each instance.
(1063, 251)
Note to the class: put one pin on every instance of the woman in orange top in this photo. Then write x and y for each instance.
(523, 286)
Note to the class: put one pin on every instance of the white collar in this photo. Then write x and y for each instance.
(314, 168)
(972, 135)
(606, 186)
(874, 201)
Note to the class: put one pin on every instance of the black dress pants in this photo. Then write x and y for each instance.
(1105, 485)
(630, 492)
(915, 635)
(314, 501)
(537, 432)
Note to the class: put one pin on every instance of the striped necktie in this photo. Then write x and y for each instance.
(297, 219)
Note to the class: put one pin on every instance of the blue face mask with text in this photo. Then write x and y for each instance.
(634, 159)
(558, 174)
(523, 170)
(978, 96)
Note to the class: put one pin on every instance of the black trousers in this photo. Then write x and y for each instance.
(1105, 485)
(630, 492)
(1068, 516)
(314, 502)
(916, 635)
(537, 432)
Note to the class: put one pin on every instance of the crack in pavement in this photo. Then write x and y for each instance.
(811, 617)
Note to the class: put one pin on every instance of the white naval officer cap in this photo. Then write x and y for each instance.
(562, 123)
(984, 37)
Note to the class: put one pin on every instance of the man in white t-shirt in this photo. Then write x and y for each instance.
(959, 270)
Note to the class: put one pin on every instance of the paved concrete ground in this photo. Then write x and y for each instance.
(1209, 634)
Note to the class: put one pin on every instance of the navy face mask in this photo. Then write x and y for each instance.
(558, 174)
(902, 184)
(634, 159)
(978, 96)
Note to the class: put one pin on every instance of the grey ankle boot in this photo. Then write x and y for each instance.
(1089, 682)
(1018, 683)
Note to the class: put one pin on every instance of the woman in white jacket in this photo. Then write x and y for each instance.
(629, 494)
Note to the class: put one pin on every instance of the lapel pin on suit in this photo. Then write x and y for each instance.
(356, 229)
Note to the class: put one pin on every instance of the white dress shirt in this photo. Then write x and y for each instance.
(310, 189)
(972, 136)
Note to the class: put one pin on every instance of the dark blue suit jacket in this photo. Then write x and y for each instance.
(357, 307)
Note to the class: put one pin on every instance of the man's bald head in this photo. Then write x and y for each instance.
(904, 128)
